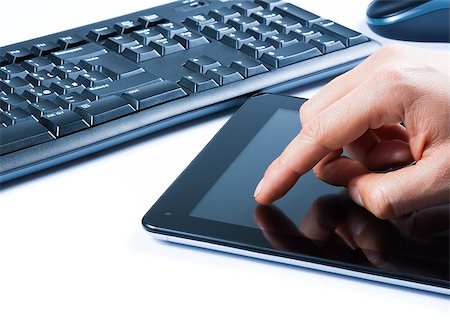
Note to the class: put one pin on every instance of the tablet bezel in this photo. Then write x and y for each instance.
(170, 215)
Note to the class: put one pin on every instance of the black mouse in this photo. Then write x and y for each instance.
(412, 20)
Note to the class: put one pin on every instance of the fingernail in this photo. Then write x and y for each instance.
(258, 188)
(354, 194)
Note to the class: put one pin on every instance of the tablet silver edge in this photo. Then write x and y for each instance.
(300, 263)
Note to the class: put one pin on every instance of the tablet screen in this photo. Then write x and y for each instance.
(230, 199)
(322, 213)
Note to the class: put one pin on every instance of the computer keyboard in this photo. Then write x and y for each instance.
(76, 92)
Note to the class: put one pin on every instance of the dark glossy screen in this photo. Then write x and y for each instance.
(417, 244)
(231, 200)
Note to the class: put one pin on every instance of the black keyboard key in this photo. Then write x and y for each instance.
(290, 55)
(145, 36)
(41, 78)
(93, 78)
(18, 55)
(5, 119)
(101, 33)
(242, 23)
(38, 94)
(199, 21)
(247, 7)
(327, 44)
(125, 27)
(224, 75)
(76, 54)
(120, 43)
(62, 122)
(22, 135)
(170, 29)
(43, 49)
(248, 67)
(218, 30)
(197, 82)
(266, 16)
(70, 101)
(13, 70)
(3, 61)
(15, 85)
(140, 53)
(113, 65)
(151, 20)
(42, 107)
(285, 25)
(223, 14)
(106, 109)
(118, 87)
(153, 94)
(299, 14)
(190, 39)
(66, 86)
(14, 116)
(165, 46)
(68, 71)
(121, 69)
(347, 36)
(261, 32)
(12, 101)
(305, 34)
(282, 40)
(257, 48)
(269, 4)
(38, 64)
(201, 64)
(70, 41)
(237, 39)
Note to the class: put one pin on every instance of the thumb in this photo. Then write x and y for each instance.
(399, 192)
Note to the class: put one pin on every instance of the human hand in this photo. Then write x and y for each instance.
(361, 111)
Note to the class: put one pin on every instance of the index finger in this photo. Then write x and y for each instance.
(369, 106)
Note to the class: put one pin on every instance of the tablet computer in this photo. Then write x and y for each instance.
(315, 225)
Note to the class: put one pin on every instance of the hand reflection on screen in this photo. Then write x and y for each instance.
(416, 243)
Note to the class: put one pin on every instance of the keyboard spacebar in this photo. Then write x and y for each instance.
(120, 86)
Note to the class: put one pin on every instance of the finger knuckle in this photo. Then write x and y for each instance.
(280, 163)
(380, 203)
(390, 75)
(311, 131)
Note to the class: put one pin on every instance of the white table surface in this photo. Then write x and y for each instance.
(74, 257)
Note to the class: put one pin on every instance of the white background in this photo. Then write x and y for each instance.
(74, 257)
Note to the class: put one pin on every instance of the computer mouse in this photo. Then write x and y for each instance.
(412, 20)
